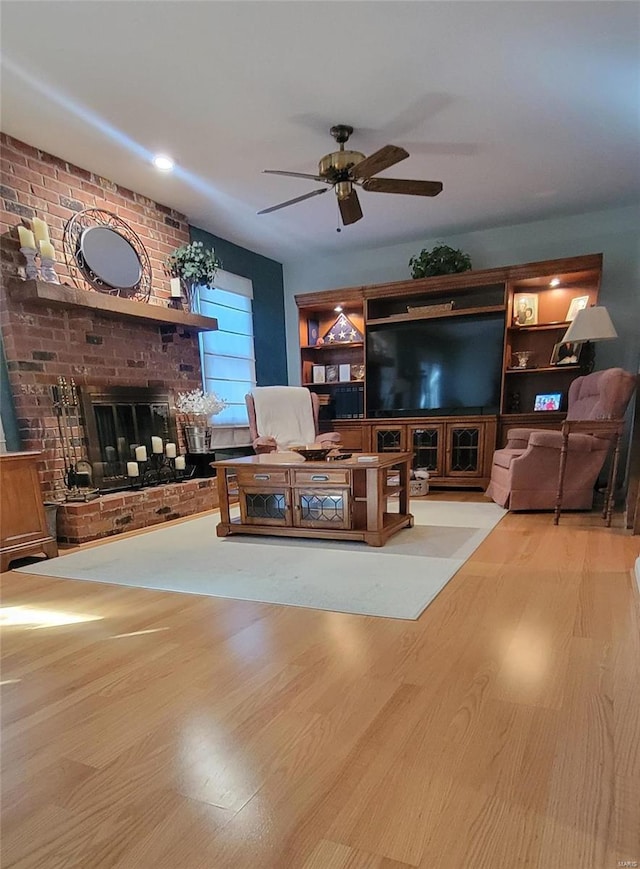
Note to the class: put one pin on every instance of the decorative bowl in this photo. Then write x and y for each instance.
(313, 454)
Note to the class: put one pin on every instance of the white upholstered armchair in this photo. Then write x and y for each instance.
(281, 416)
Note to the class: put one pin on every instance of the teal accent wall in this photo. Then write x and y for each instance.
(268, 303)
(614, 232)
(7, 408)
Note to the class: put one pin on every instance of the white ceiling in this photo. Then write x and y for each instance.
(523, 110)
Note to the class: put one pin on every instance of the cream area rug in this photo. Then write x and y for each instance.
(395, 581)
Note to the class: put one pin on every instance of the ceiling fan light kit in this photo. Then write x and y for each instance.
(344, 170)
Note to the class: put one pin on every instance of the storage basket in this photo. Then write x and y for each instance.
(418, 487)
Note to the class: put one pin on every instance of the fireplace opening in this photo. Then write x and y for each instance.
(117, 420)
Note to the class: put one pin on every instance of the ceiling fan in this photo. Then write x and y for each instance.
(344, 170)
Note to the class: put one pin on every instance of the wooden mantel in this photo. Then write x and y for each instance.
(64, 296)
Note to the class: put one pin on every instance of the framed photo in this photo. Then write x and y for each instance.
(577, 304)
(525, 309)
(548, 401)
(566, 354)
(313, 332)
(357, 371)
(332, 373)
(318, 374)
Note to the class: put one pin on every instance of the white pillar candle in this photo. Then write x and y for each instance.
(180, 463)
(27, 238)
(170, 451)
(141, 454)
(176, 288)
(132, 469)
(47, 250)
(40, 229)
(156, 445)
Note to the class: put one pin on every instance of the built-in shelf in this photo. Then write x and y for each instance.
(334, 383)
(541, 370)
(541, 328)
(50, 295)
(333, 345)
(455, 312)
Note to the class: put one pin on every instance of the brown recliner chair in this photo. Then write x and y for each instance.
(265, 442)
(524, 475)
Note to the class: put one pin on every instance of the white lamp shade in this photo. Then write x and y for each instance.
(590, 324)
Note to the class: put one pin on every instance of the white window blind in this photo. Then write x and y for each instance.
(228, 356)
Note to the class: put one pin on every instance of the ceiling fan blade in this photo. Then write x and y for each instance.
(350, 210)
(379, 160)
(402, 185)
(293, 201)
(295, 175)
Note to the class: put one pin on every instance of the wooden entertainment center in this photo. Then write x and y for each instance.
(456, 449)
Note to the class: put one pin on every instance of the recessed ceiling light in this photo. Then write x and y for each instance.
(163, 163)
(555, 282)
(338, 309)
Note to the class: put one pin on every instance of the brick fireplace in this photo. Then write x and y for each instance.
(44, 342)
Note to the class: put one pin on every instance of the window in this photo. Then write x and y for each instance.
(227, 355)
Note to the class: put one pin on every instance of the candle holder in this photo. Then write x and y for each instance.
(135, 483)
(31, 269)
(156, 470)
(48, 270)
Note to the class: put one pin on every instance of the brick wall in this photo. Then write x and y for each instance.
(41, 343)
(129, 511)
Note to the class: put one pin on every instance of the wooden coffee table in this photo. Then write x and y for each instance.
(282, 494)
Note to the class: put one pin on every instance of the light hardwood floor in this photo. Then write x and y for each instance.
(501, 729)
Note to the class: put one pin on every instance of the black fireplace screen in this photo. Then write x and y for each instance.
(119, 419)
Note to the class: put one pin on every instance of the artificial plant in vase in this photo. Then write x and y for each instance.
(197, 407)
(440, 260)
(195, 265)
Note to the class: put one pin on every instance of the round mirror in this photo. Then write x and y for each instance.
(110, 257)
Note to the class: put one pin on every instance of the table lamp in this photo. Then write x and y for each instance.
(590, 324)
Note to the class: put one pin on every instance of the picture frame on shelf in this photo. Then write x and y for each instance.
(547, 401)
(318, 374)
(313, 332)
(357, 371)
(566, 353)
(577, 304)
(344, 372)
(331, 373)
(525, 309)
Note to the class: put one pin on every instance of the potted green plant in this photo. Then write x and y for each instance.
(194, 265)
(440, 260)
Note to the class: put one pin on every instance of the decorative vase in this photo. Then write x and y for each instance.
(523, 357)
(198, 438)
(193, 297)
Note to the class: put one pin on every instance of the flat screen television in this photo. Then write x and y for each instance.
(439, 367)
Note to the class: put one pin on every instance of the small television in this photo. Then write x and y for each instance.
(548, 401)
(435, 367)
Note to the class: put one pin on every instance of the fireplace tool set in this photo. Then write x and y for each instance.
(78, 474)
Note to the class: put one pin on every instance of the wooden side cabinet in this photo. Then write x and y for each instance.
(23, 524)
